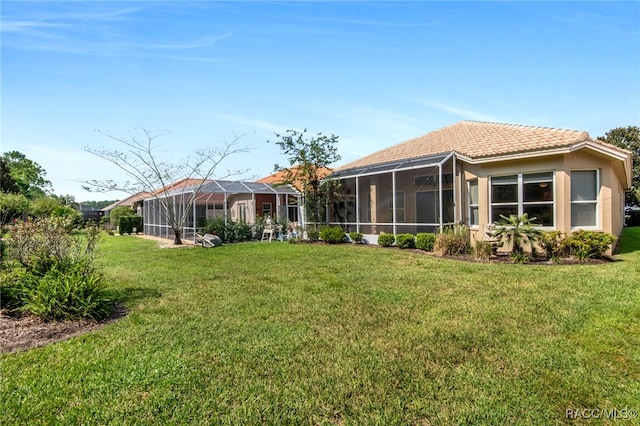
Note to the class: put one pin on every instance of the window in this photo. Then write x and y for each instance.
(399, 216)
(585, 187)
(473, 203)
(531, 193)
(266, 209)
(242, 213)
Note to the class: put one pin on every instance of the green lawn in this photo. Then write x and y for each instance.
(317, 334)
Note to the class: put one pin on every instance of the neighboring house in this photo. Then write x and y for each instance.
(134, 201)
(473, 172)
(90, 213)
(235, 201)
(294, 214)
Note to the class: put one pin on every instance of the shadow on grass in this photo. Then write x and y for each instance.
(136, 294)
(629, 240)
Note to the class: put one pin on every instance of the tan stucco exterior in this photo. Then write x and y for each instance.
(610, 210)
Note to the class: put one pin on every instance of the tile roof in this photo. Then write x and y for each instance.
(477, 139)
(280, 177)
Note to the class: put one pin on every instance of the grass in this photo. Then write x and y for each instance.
(342, 334)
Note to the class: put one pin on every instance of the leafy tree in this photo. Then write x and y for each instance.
(147, 172)
(309, 158)
(628, 138)
(29, 176)
(7, 183)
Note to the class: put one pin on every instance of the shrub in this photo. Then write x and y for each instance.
(356, 237)
(585, 245)
(386, 240)
(126, 224)
(11, 287)
(553, 245)
(406, 241)
(482, 250)
(333, 235)
(50, 272)
(313, 234)
(64, 295)
(453, 241)
(425, 241)
(117, 212)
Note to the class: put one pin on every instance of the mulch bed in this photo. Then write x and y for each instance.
(22, 331)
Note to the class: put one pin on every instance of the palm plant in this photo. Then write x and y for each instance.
(517, 231)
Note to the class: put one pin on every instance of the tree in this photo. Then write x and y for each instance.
(309, 159)
(628, 138)
(7, 183)
(29, 176)
(148, 173)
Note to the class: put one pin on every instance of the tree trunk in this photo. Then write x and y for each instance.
(177, 239)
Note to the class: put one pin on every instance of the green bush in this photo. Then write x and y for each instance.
(406, 241)
(453, 241)
(65, 295)
(554, 245)
(585, 245)
(386, 240)
(356, 237)
(11, 287)
(117, 212)
(313, 234)
(425, 241)
(230, 232)
(49, 271)
(333, 235)
(126, 224)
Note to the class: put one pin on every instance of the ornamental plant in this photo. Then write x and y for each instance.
(333, 235)
(519, 232)
(406, 241)
(425, 241)
(386, 240)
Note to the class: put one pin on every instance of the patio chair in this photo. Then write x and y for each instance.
(267, 232)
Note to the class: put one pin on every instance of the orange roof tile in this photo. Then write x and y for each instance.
(281, 176)
(477, 139)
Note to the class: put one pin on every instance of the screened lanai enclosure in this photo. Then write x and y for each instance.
(408, 196)
(231, 201)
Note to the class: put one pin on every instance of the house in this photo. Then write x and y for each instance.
(236, 201)
(474, 172)
(134, 201)
(279, 178)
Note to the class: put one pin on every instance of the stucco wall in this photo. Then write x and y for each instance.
(610, 198)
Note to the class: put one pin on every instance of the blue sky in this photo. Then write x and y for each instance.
(373, 73)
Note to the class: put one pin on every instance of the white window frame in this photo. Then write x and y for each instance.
(596, 201)
(520, 202)
(472, 205)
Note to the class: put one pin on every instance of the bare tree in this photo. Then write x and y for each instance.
(147, 173)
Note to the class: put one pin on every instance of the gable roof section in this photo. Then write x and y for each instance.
(477, 140)
(279, 177)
